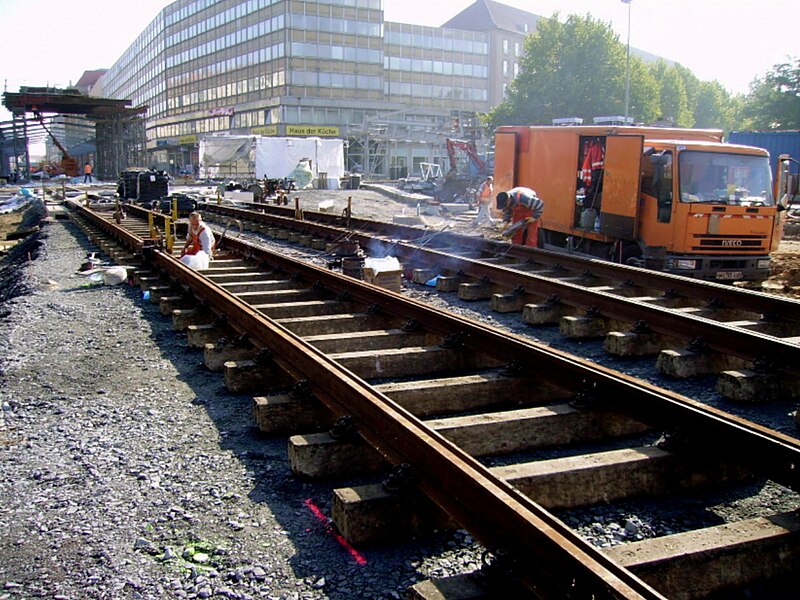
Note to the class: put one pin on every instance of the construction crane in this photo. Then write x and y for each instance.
(69, 166)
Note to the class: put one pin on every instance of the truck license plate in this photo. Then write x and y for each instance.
(729, 275)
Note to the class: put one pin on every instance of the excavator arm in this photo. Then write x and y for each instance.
(68, 164)
(468, 148)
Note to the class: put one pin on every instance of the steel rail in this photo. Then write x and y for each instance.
(765, 451)
(553, 560)
(753, 444)
(717, 335)
(776, 307)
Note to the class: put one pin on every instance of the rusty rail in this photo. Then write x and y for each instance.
(555, 560)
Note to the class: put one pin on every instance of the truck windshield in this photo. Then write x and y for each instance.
(719, 178)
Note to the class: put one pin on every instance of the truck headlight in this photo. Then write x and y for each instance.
(763, 263)
(685, 263)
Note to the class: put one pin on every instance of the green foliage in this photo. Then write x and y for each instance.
(570, 69)
(774, 100)
(577, 69)
(714, 108)
(674, 100)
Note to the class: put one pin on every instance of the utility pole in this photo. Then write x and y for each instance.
(628, 65)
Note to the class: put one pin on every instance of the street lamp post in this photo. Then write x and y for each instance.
(628, 65)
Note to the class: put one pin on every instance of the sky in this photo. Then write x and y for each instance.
(51, 42)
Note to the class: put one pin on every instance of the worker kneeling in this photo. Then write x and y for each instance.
(196, 254)
(522, 209)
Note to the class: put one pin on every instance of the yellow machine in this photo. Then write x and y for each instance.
(676, 200)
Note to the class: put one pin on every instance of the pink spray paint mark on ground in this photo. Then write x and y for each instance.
(357, 556)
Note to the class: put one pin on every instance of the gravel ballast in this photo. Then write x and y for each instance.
(129, 471)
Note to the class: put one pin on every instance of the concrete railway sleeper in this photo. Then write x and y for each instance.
(750, 339)
(369, 382)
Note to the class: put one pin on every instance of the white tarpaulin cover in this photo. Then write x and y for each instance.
(271, 157)
(227, 156)
(278, 157)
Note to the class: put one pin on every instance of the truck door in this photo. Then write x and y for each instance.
(505, 161)
(621, 181)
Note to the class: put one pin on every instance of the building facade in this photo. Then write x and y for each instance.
(395, 92)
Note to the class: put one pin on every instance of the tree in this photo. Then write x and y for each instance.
(570, 69)
(774, 100)
(714, 107)
(673, 99)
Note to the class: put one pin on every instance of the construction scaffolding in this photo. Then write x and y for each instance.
(119, 129)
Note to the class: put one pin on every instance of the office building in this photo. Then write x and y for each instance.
(395, 92)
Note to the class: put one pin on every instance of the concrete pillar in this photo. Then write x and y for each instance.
(448, 283)
(197, 336)
(320, 456)
(422, 275)
(182, 318)
(545, 314)
(215, 357)
(683, 364)
(582, 327)
(745, 385)
(249, 376)
(282, 413)
(508, 303)
(476, 291)
(627, 343)
(167, 304)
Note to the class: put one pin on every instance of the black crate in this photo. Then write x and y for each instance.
(143, 186)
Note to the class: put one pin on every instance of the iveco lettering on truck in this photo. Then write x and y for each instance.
(676, 200)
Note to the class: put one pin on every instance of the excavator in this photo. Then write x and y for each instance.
(460, 186)
(69, 166)
(476, 166)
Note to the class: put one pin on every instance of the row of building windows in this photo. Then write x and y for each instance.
(206, 125)
(177, 15)
(436, 41)
(336, 80)
(192, 8)
(147, 45)
(439, 67)
(201, 73)
(228, 41)
(327, 52)
(424, 90)
(188, 101)
(330, 25)
(235, 14)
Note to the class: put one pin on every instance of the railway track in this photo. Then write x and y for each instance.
(751, 340)
(446, 416)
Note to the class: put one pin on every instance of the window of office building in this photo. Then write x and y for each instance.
(505, 46)
(505, 68)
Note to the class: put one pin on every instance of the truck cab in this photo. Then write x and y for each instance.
(676, 200)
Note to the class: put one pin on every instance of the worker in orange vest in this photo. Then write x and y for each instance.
(199, 238)
(485, 193)
(87, 173)
(522, 209)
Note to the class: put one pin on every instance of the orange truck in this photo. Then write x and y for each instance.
(670, 199)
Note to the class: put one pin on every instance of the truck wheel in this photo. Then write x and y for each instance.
(631, 255)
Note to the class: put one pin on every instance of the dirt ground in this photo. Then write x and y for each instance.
(785, 277)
